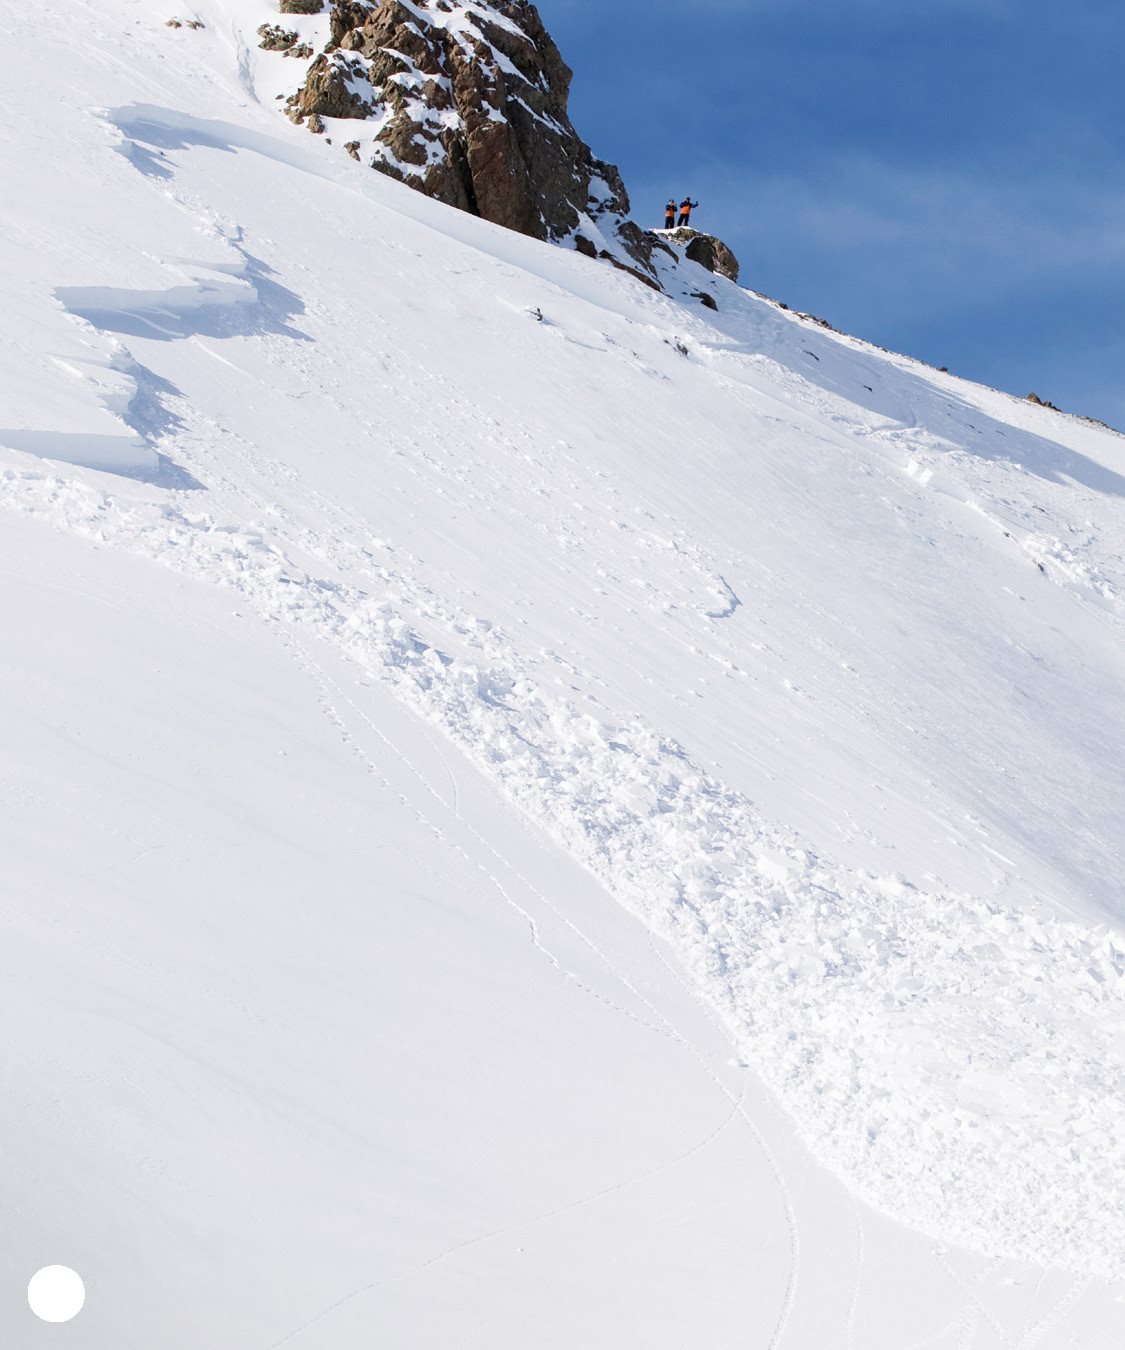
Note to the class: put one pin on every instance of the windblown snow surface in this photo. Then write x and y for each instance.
(535, 814)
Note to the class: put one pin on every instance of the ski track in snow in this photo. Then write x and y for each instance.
(860, 1257)
(659, 1023)
(1035, 1335)
(332, 696)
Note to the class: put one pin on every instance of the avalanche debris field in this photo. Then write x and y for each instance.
(535, 813)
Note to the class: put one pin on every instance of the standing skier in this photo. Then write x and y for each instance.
(670, 213)
(686, 207)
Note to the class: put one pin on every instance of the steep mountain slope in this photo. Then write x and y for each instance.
(452, 692)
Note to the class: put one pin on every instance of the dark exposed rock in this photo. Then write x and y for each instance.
(820, 323)
(332, 89)
(651, 282)
(705, 298)
(714, 255)
(346, 17)
(472, 101)
(301, 6)
(275, 38)
(706, 250)
(352, 147)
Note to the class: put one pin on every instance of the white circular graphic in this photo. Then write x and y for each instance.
(56, 1294)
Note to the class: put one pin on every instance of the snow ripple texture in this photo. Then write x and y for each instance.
(958, 1064)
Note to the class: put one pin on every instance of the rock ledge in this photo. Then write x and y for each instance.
(704, 249)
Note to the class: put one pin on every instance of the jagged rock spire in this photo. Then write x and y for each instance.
(466, 100)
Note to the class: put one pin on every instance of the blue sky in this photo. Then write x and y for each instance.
(944, 178)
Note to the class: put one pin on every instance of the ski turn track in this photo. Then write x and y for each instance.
(659, 1023)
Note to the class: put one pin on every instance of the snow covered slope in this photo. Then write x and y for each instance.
(536, 813)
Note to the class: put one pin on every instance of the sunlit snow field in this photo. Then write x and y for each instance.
(535, 814)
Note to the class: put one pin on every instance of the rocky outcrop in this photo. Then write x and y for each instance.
(706, 250)
(274, 38)
(335, 86)
(277, 39)
(467, 102)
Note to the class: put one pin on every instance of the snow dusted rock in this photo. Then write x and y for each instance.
(334, 87)
(705, 249)
(274, 38)
(467, 102)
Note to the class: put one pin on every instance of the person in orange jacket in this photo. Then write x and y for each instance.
(686, 207)
(670, 213)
